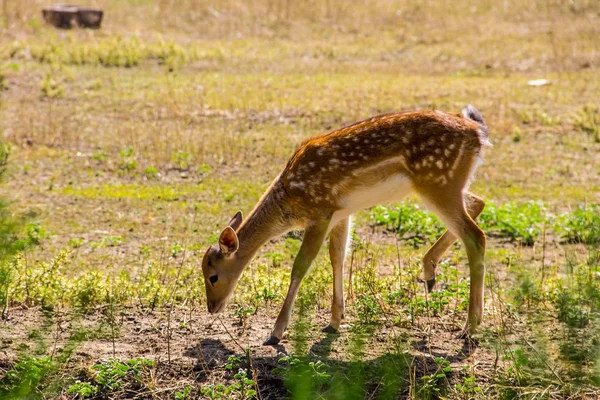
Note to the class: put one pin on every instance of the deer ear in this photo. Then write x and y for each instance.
(236, 221)
(228, 241)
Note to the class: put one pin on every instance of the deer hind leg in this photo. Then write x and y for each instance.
(338, 242)
(451, 210)
(474, 205)
(313, 239)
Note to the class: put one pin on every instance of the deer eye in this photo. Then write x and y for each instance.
(213, 279)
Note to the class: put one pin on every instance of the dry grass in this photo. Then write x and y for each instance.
(136, 142)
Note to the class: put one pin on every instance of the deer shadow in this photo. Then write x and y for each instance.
(391, 374)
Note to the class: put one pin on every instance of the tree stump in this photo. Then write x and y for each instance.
(67, 16)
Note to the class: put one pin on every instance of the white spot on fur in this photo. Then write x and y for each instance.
(439, 164)
(398, 160)
(457, 159)
(296, 185)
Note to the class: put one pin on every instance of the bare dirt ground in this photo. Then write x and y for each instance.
(198, 346)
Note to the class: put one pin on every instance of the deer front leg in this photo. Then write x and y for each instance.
(313, 239)
(338, 241)
(474, 205)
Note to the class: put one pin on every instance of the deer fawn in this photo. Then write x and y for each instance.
(329, 177)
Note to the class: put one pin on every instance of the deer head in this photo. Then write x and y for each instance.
(221, 267)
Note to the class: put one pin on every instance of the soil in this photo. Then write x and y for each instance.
(198, 346)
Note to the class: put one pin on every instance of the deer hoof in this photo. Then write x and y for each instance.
(271, 341)
(330, 329)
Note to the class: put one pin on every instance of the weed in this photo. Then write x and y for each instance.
(24, 378)
(151, 172)
(241, 314)
(75, 242)
(267, 296)
(242, 388)
(52, 86)
(468, 387)
(523, 222)
(99, 156)
(434, 384)
(183, 395)
(181, 160)
(412, 223)
(582, 225)
(588, 120)
(368, 309)
(83, 389)
(176, 250)
(299, 368)
(128, 161)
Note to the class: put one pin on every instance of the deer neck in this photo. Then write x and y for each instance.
(266, 221)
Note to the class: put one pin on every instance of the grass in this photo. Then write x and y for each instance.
(131, 146)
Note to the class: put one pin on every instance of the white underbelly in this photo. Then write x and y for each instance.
(393, 188)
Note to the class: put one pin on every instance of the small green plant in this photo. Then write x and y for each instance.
(523, 223)
(23, 380)
(241, 313)
(51, 86)
(267, 296)
(580, 226)
(176, 250)
(99, 156)
(204, 169)
(432, 385)
(151, 172)
(412, 223)
(294, 368)
(183, 395)
(242, 388)
(570, 310)
(181, 160)
(588, 120)
(83, 389)
(233, 363)
(111, 374)
(368, 309)
(468, 387)
(109, 241)
(36, 232)
(128, 161)
(276, 258)
(75, 242)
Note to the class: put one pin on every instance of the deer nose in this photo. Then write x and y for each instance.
(211, 306)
